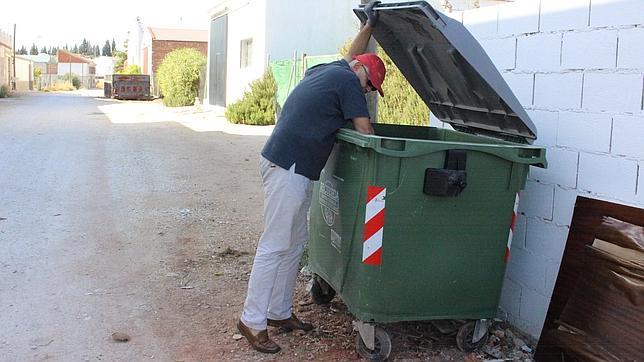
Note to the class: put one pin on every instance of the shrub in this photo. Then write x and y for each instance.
(131, 69)
(4, 91)
(73, 79)
(401, 104)
(257, 106)
(178, 76)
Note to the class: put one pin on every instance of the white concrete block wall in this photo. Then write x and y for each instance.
(547, 123)
(584, 131)
(607, 175)
(482, 22)
(539, 52)
(564, 15)
(562, 168)
(598, 46)
(623, 142)
(547, 241)
(519, 18)
(630, 53)
(612, 13)
(522, 85)
(501, 51)
(564, 205)
(578, 69)
(537, 199)
(613, 92)
(558, 90)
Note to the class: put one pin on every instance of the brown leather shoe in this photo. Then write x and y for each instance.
(290, 324)
(260, 341)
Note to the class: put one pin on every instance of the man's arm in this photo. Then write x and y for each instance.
(363, 125)
(359, 44)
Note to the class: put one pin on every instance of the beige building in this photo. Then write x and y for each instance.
(6, 53)
(24, 73)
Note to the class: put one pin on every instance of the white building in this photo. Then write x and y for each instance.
(135, 38)
(75, 64)
(245, 35)
(104, 66)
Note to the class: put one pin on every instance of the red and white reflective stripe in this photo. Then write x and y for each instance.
(374, 222)
(512, 224)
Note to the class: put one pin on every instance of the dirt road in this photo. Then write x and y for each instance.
(125, 217)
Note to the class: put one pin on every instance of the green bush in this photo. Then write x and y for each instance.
(257, 106)
(73, 79)
(4, 91)
(131, 69)
(401, 104)
(179, 77)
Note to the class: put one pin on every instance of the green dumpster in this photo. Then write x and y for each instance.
(415, 223)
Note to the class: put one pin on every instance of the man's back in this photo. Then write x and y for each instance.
(328, 96)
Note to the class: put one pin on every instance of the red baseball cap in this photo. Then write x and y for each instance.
(376, 69)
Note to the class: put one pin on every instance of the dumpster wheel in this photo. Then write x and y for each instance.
(321, 291)
(464, 338)
(382, 346)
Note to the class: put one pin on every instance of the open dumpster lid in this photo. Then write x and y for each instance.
(450, 71)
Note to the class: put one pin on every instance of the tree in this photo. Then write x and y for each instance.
(75, 49)
(97, 51)
(113, 46)
(84, 48)
(22, 51)
(44, 49)
(119, 60)
(33, 50)
(107, 50)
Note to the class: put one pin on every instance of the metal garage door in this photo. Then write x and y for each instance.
(217, 82)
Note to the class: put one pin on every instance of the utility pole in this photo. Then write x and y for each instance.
(372, 97)
(13, 78)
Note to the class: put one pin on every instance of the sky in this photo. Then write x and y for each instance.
(56, 23)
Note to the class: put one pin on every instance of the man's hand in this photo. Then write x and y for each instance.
(372, 15)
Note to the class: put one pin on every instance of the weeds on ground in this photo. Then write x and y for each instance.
(57, 87)
(4, 91)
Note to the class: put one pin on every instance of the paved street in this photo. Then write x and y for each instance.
(104, 222)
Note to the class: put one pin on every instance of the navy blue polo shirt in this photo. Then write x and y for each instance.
(328, 96)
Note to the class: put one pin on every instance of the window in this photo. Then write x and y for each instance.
(246, 56)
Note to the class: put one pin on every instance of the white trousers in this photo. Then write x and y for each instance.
(287, 197)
